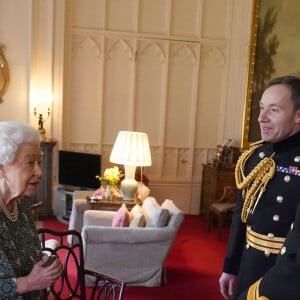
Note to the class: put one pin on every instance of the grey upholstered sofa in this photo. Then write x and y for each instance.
(133, 254)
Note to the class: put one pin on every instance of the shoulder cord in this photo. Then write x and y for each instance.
(255, 182)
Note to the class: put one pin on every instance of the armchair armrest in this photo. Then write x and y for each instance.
(98, 218)
(76, 219)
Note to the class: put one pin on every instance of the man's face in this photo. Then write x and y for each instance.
(278, 119)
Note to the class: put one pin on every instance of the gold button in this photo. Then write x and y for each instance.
(297, 159)
(267, 253)
(283, 250)
(248, 228)
(261, 154)
(270, 235)
(292, 226)
(287, 178)
(276, 218)
(279, 199)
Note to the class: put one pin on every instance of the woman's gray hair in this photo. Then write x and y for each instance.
(12, 135)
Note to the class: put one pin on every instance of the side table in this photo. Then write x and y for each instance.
(108, 205)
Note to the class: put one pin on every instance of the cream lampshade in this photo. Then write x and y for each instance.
(131, 149)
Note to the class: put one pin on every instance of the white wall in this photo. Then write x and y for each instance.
(38, 35)
(15, 33)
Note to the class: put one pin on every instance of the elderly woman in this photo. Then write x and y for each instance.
(22, 274)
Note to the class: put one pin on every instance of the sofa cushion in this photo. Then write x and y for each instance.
(176, 215)
(137, 219)
(154, 214)
(121, 218)
(170, 206)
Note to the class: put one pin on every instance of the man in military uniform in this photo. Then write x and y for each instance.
(282, 281)
(267, 176)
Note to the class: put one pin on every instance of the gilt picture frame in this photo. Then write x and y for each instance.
(4, 73)
(273, 52)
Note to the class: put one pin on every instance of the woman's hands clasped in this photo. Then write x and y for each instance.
(41, 276)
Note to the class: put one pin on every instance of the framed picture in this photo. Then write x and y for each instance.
(274, 52)
(4, 73)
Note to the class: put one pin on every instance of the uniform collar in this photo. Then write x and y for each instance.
(287, 144)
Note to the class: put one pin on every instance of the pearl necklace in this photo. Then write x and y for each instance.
(12, 216)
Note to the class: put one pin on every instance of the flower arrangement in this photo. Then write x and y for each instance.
(111, 176)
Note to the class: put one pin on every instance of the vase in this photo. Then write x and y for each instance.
(108, 193)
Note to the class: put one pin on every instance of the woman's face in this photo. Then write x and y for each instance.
(24, 173)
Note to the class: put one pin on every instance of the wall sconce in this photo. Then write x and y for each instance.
(131, 149)
(41, 121)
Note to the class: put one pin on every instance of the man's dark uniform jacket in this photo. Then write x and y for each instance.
(253, 246)
(282, 281)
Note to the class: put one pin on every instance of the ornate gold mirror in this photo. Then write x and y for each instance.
(4, 73)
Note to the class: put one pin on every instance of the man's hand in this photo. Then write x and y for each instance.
(227, 284)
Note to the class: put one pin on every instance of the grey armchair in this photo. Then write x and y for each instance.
(135, 255)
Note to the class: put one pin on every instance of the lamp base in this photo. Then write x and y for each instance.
(129, 188)
(42, 132)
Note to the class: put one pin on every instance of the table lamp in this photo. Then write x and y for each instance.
(131, 149)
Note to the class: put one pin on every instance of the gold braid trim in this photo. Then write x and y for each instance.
(255, 182)
(253, 292)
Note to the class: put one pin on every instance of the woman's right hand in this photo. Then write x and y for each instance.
(227, 284)
(40, 277)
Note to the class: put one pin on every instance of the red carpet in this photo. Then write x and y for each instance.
(193, 264)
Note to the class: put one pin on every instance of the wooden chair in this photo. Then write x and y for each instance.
(222, 208)
(71, 285)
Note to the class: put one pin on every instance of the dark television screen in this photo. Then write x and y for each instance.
(77, 169)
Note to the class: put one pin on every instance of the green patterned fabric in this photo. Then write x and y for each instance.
(19, 250)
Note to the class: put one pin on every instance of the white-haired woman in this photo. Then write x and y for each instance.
(21, 272)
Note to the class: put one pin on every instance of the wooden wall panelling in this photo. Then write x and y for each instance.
(156, 169)
(182, 72)
(185, 18)
(150, 95)
(170, 158)
(181, 106)
(117, 89)
(200, 157)
(184, 164)
(151, 66)
(86, 97)
(105, 154)
(212, 90)
(216, 21)
(154, 17)
(91, 15)
(121, 15)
